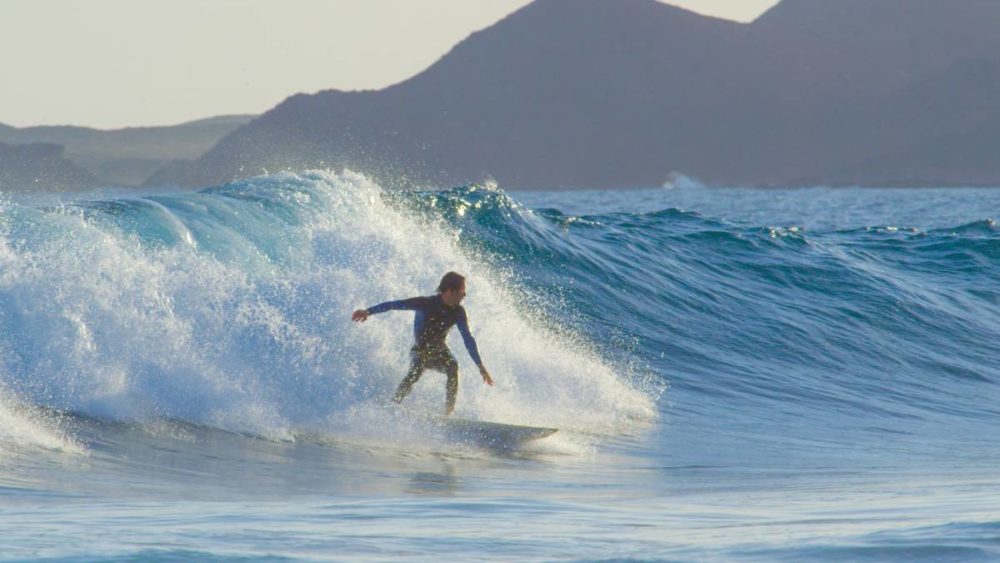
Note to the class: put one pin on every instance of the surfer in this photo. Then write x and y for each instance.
(435, 315)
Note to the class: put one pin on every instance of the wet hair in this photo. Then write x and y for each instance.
(451, 280)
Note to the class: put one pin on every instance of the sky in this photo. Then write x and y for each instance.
(119, 63)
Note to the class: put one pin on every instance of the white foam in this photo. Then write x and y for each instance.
(22, 427)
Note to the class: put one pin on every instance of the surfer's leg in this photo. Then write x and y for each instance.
(441, 359)
(416, 370)
(451, 389)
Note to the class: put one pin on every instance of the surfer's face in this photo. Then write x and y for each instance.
(453, 297)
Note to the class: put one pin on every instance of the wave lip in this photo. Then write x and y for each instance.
(24, 428)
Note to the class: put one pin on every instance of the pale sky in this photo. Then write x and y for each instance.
(118, 63)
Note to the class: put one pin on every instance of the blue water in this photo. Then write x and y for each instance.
(738, 374)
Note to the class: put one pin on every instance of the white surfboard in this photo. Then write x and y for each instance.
(492, 433)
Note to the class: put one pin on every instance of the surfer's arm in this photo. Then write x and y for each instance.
(470, 345)
(411, 304)
(468, 339)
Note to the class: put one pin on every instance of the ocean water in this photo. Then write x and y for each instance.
(738, 374)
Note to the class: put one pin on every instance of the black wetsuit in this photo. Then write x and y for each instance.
(431, 324)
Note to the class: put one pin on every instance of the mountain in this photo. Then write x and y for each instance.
(615, 93)
(863, 82)
(39, 166)
(958, 146)
(126, 157)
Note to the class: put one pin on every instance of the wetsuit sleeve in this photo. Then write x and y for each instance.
(470, 342)
(411, 304)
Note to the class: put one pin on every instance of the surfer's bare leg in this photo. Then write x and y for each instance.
(416, 370)
(451, 389)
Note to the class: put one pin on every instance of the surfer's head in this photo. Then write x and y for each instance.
(452, 288)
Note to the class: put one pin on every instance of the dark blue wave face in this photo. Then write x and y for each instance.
(840, 340)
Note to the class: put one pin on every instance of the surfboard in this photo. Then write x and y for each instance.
(493, 433)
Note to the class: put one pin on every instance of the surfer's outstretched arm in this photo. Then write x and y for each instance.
(471, 347)
(411, 304)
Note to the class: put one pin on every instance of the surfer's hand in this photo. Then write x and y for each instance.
(486, 375)
(360, 316)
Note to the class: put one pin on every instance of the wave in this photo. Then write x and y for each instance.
(231, 307)
(878, 323)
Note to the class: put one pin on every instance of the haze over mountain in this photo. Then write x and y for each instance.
(40, 166)
(615, 93)
(124, 157)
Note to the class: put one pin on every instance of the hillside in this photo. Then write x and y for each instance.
(129, 156)
(615, 93)
(38, 167)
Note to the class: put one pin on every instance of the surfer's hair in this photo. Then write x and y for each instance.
(451, 281)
